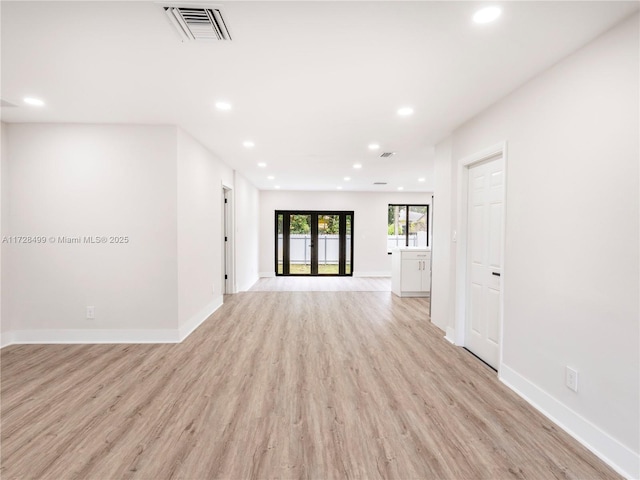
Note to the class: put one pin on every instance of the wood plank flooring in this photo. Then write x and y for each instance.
(324, 385)
(323, 284)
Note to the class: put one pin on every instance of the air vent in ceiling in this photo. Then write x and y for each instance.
(379, 183)
(197, 23)
(387, 154)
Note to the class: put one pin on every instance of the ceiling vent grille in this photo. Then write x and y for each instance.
(198, 24)
(387, 154)
(379, 183)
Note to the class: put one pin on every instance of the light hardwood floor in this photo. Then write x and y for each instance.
(323, 284)
(278, 385)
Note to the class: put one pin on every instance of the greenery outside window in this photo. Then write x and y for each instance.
(407, 226)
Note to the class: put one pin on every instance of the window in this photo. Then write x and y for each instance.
(407, 226)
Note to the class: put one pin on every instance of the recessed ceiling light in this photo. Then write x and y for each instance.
(223, 105)
(374, 146)
(421, 179)
(248, 144)
(262, 164)
(357, 165)
(346, 179)
(339, 187)
(270, 177)
(400, 188)
(404, 111)
(487, 14)
(34, 102)
(277, 187)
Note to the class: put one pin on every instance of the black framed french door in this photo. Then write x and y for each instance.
(314, 242)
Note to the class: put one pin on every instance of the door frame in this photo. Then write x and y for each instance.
(430, 234)
(314, 235)
(497, 151)
(228, 250)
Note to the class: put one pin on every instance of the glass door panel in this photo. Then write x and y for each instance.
(328, 244)
(313, 242)
(347, 265)
(280, 244)
(300, 244)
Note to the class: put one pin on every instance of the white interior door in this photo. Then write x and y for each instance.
(484, 260)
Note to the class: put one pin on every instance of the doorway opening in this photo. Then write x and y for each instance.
(312, 242)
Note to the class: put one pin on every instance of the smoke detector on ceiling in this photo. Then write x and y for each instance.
(387, 154)
(198, 23)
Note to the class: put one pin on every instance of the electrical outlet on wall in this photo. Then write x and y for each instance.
(572, 379)
(91, 313)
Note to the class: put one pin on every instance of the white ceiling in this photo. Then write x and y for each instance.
(311, 83)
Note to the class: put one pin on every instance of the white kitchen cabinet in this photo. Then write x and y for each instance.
(411, 272)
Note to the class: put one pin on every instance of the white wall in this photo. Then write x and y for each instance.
(571, 273)
(92, 180)
(442, 289)
(155, 185)
(4, 222)
(370, 223)
(200, 206)
(247, 244)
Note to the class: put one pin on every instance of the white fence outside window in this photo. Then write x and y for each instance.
(418, 239)
(300, 248)
(329, 246)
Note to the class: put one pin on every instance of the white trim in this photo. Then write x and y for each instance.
(372, 274)
(619, 457)
(249, 284)
(355, 274)
(80, 335)
(498, 150)
(6, 339)
(385, 274)
(195, 321)
(168, 335)
(450, 335)
(228, 257)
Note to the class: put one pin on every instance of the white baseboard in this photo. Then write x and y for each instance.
(6, 339)
(450, 335)
(194, 322)
(619, 457)
(355, 274)
(66, 336)
(85, 335)
(249, 284)
(371, 274)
